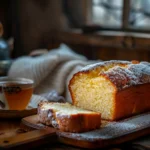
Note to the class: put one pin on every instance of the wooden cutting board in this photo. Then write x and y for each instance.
(110, 133)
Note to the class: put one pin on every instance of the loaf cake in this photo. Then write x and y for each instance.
(116, 89)
(67, 117)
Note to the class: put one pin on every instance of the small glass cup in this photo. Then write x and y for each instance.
(15, 93)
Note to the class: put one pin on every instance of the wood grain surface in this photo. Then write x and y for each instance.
(9, 128)
(12, 135)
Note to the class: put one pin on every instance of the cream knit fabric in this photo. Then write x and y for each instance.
(51, 71)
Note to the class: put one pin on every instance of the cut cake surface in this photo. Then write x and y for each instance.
(67, 117)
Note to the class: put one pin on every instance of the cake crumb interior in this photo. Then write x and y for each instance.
(94, 93)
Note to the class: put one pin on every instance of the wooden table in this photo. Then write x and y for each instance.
(11, 128)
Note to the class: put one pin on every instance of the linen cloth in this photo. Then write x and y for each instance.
(51, 71)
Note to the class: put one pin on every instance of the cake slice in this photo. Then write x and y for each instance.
(67, 117)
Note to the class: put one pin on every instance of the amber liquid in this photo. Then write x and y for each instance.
(18, 99)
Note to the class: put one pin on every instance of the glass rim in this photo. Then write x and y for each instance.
(6, 79)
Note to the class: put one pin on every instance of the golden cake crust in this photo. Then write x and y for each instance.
(129, 81)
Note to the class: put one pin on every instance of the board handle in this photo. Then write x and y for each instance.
(24, 140)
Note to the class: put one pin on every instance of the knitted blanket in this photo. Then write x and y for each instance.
(51, 71)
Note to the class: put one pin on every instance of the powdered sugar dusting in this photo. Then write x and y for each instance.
(100, 64)
(141, 71)
(91, 66)
(133, 74)
(121, 77)
(113, 129)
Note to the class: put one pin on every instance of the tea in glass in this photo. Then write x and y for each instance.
(16, 92)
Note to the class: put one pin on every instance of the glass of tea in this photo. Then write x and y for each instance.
(15, 93)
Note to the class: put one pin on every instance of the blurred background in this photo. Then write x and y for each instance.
(98, 29)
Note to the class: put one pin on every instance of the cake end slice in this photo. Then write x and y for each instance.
(68, 118)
